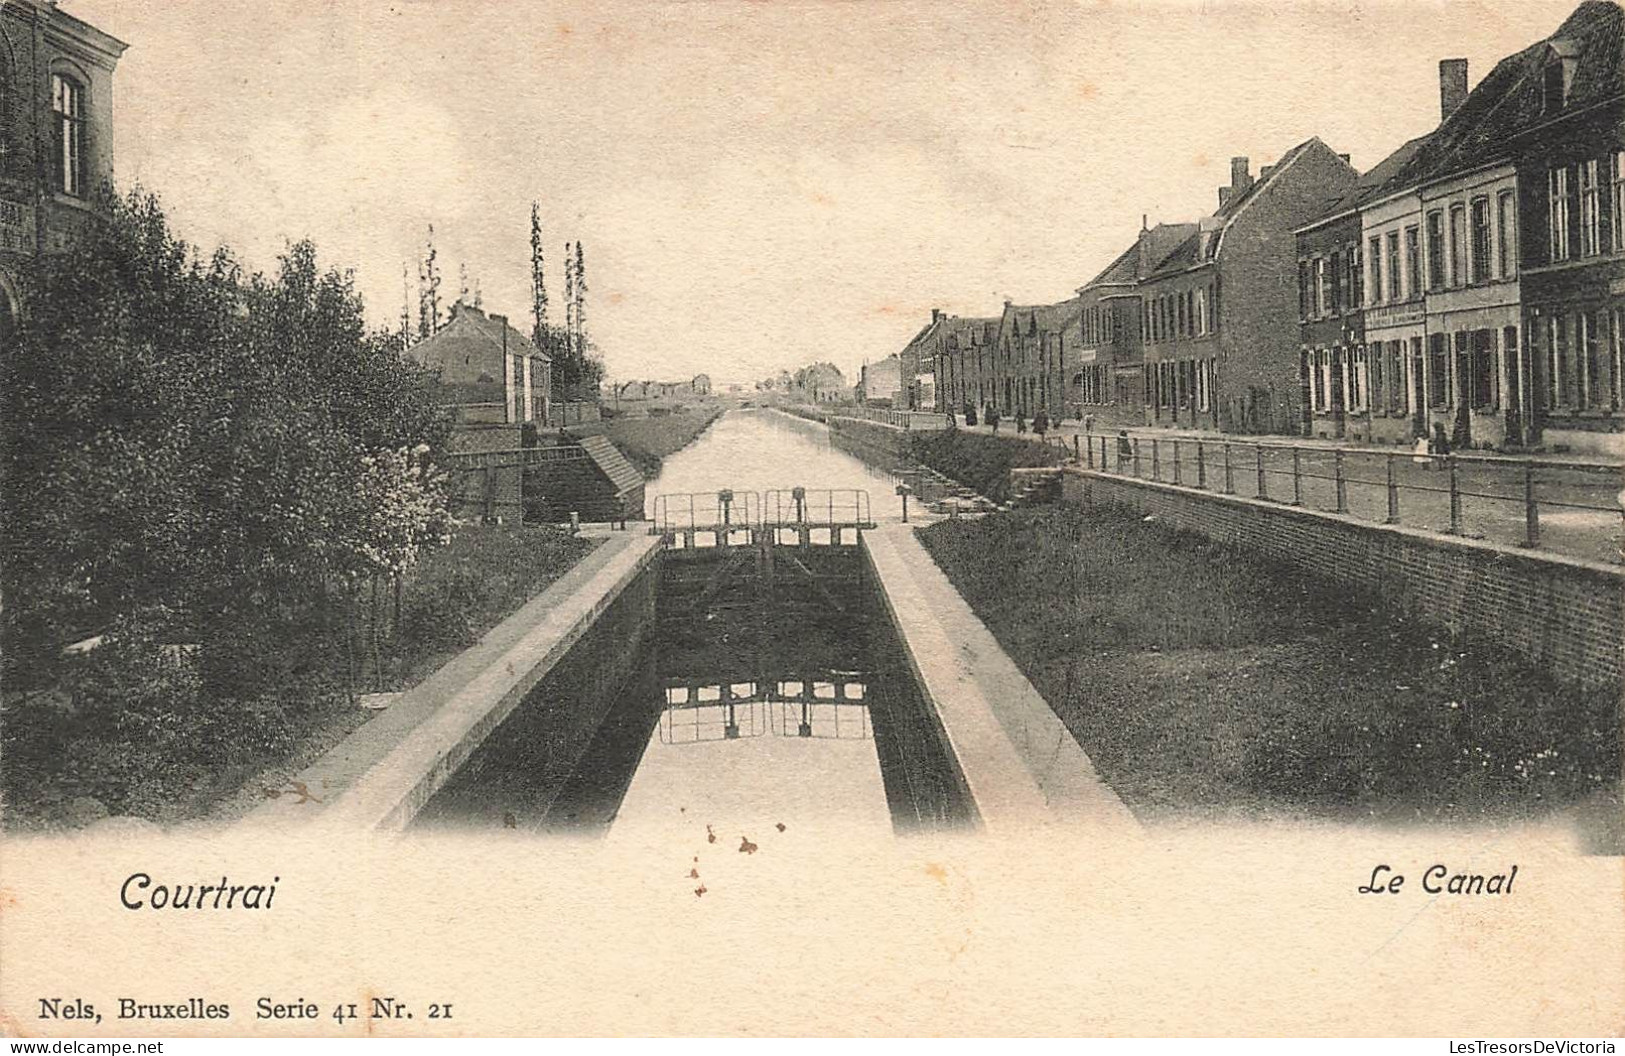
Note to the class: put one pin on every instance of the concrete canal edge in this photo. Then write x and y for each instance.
(1020, 762)
(381, 776)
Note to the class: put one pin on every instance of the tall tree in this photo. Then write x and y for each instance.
(566, 361)
(581, 305)
(462, 283)
(538, 284)
(429, 320)
(406, 310)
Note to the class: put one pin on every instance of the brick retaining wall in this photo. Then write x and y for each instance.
(1561, 613)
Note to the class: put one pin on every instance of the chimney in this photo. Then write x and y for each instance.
(1452, 86)
(936, 315)
(1239, 178)
(1224, 197)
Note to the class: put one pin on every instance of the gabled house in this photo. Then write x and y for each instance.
(1217, 315)
(480, 358)
(1103, 365)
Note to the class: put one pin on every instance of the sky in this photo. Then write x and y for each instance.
(756, 186)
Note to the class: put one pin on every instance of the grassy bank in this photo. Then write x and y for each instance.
(127, 733)
(647, 441)
(981, 463)
(1200, 679)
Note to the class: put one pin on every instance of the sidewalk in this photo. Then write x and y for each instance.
(1069, 428)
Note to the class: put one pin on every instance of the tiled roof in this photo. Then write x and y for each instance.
(470, 334)
(1511, 99)
(1122, 271)
(1387, 175)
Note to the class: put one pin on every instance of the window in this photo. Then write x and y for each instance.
(1374, 356)
(1554, 86)
(68, 163)
(1393, 267)
(1438, 371)
(1590, 209)
(1458, 245)
(1618, 202)
(1212, 310)
(1557, 212)
(1320, 286)
(1359, 382)
(1398, 401)
(1592, 389)
(1375, 262)
(1303, 289)
(1506, 235)
(1356, 273)
(1413, 263)
(1482, 364)
(1557, 362)
(1337, 281)
(1616, 356)
(1201, 311)
(1436, 250)
(1481, 240)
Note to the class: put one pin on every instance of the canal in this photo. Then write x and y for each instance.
(767, 691)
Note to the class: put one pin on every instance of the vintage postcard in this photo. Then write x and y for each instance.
(944, 518)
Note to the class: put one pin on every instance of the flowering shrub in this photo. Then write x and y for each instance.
(398, 508)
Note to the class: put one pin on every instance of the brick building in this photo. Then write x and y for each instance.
(882, 382)
(1567, 144)
(1349, 388)
(481, 359)
(1218, 313)
(1488, 290)
(56, 134)
(1104, 367)
(961, 360)
(1028, 369)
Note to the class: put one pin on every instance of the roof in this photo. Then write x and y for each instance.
(1122, 271)
(470, 333)
(1185, 255)
(1382, 178)
(1032, 319)
(609, 460)
(1511, 99)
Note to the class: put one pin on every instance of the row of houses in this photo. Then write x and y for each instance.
(698, 385)
(1473, 280)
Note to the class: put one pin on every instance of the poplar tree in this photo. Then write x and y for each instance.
(406, 310)
(566, 364)
(581, 304)
(538, 283)
(429, 323)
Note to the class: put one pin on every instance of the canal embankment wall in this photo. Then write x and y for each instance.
(1562, 614)
(1020, 763)
(558, 652)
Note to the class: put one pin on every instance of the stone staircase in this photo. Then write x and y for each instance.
(1033, 487)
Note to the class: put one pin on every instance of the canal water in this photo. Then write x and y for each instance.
(768, 691)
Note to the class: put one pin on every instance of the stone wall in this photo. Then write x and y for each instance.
(1561, 613)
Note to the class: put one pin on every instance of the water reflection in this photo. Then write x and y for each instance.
(769, 687)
